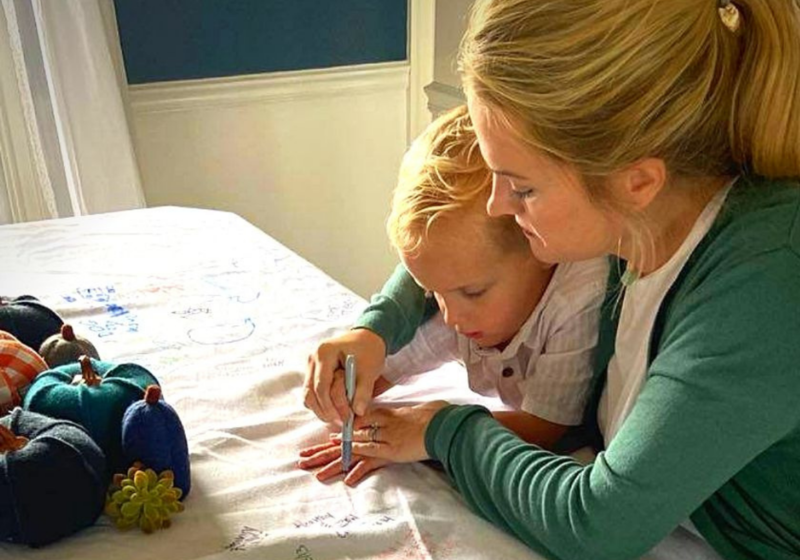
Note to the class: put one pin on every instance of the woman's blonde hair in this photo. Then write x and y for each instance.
(444, 174)
(601, 84)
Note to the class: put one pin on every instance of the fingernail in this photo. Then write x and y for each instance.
(358, 409)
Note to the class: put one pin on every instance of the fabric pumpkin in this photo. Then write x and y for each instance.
(152, 433)
(19, 365)
(52, 478)
(66, 347)
(28, 319)
(97, 400)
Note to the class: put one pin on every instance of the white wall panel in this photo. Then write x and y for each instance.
(309, 157)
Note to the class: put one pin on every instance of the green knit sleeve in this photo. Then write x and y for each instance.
(398, 310)
(713, 436)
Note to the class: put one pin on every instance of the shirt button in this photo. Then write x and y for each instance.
(508, 372)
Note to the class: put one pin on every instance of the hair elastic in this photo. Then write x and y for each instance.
(730, 15)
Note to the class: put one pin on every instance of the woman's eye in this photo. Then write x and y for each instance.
(522, 194)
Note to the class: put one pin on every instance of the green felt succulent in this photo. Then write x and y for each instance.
(141, 498)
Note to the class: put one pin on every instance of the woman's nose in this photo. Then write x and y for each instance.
(499, 203)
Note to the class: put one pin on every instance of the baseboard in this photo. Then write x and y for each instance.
(267, 88)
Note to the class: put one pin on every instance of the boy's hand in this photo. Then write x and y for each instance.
(324, 383)
(329, 457)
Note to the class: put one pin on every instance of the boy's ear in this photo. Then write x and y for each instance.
(639, 184)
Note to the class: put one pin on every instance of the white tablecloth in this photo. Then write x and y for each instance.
(225, 317)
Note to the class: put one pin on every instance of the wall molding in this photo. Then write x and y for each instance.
(185, 95)
(421, 48)
(442, 97)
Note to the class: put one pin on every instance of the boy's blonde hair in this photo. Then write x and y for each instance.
(443, 174)
(601, 84)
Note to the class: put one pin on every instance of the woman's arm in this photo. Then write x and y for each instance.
(720, 393)
(531, 428)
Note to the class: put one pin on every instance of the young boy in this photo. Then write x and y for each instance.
(524, 331)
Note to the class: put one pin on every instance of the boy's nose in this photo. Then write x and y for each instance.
(451, 317)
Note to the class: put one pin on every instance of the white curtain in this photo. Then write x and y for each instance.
(65, 143)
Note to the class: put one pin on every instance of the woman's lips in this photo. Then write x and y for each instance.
(531, 234)
(473, 334)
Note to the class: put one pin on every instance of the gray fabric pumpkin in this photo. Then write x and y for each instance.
(52, 479)
(66, 347)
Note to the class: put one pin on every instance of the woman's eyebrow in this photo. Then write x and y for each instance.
(509, 174)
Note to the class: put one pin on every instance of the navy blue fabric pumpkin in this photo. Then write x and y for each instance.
(29, 320)
(152, 433)
(52, 478)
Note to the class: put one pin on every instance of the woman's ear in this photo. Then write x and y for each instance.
(639, 184)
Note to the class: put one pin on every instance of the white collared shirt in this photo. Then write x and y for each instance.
(627, 369)
(546, 369)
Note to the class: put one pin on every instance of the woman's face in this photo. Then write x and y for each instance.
(546, 198)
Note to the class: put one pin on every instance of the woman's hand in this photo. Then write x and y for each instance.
(324, 384)
(395, 434)
(329, 457)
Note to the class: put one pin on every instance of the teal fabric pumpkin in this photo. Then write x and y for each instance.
(152, 433)
(28, 319)
(53, 478)
(94, 394)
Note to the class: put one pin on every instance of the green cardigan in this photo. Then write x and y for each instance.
(715, 433)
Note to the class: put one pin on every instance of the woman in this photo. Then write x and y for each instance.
(666, 134)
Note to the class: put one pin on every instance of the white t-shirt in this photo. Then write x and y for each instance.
(547, 367)
(627, 369)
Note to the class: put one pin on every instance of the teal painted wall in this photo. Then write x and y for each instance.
(166, 40)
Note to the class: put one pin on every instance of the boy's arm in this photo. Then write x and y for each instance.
(385, 326)
(381, 386)
(397, 311)
(434, 345)
(531, 428)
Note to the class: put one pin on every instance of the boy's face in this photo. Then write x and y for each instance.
(483, 292)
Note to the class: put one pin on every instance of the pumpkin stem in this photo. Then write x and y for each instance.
(152, 394)
(9, 441)
(67, 333)
(90, 377)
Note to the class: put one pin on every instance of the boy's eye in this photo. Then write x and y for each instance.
(474, 294)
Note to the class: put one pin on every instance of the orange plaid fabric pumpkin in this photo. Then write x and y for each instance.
(19, 364)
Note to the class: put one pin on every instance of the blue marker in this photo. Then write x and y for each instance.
(347, 430)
